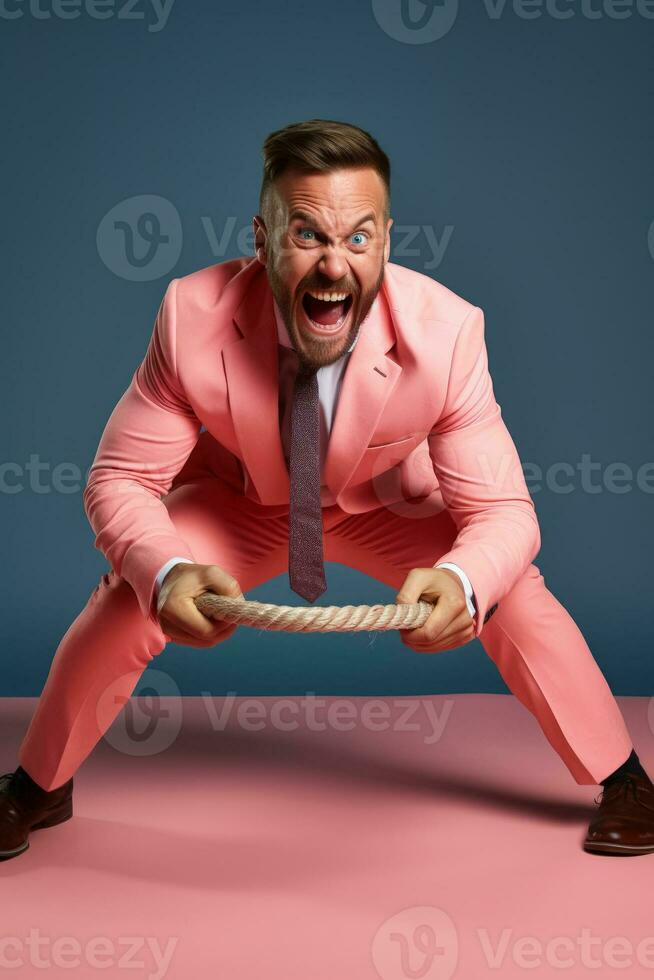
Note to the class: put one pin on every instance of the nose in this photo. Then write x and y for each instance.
(333, 265)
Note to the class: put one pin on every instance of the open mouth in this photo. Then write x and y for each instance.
(326, 312)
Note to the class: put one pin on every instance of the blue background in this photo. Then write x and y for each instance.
(530, 139)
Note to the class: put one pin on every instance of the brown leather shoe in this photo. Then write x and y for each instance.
(624, 823)
(24, 807)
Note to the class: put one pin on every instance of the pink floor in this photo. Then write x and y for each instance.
(447, 843)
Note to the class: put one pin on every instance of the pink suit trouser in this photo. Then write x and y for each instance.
(535, 644)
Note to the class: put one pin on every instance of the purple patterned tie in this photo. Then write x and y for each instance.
(305, 554)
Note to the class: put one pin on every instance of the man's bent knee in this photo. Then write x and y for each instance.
(114, 599)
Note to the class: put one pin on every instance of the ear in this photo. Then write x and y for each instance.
(387, 240)
(260, 238)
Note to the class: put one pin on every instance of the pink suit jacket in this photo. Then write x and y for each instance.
(416, 429)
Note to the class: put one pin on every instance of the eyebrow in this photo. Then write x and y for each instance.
(299, 215)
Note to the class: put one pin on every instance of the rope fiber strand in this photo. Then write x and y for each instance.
(313, 619)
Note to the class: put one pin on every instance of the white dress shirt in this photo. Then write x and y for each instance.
(329, 384)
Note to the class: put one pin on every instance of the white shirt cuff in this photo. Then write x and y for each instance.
(465, 581)
(163, 571)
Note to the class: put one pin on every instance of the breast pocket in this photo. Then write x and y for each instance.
(377, 459)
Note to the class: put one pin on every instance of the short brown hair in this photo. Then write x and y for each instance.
(320, 145)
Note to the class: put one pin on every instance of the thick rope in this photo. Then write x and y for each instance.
(313, 619)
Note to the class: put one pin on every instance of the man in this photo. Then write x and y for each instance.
(346, 403)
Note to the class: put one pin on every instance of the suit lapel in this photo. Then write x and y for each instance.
(251, 369)
(252, 372)
(369, 378)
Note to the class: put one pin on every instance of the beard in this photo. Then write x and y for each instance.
(314, 353)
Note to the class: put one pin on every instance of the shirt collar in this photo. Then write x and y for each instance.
(282, 332)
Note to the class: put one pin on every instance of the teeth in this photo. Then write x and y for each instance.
(329, 297)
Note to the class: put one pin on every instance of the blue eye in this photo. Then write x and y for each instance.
(306, 231)
(361, 236)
